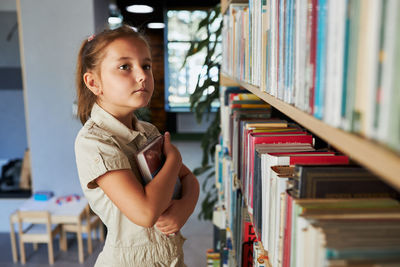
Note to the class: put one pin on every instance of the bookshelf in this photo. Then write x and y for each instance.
(278, 51)
(377, 158)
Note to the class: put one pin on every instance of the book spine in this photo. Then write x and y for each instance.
(320, 59)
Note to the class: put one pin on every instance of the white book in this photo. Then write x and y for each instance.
(218, 179)
(278, 187)
(267, 161)
(373, 60)
(225, 116)
(367, 57)
(300, 240)
(388, 70)
(338, 64)
(330, 57)
(273, 50)
(271, 148)
(272, 216)
(264, 31)
(279, 250)
(300, 48)
(281, 186)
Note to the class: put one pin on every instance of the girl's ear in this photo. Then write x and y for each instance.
(92, 82)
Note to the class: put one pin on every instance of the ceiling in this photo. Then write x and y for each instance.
(139, 20)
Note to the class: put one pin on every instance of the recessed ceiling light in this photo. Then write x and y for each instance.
(139, 9)
(156, 25)
(114, 20)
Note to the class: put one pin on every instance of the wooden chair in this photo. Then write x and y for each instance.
(89, 222)
(41, 230)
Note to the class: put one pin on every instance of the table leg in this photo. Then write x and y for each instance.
(13, 241)
(80, 244)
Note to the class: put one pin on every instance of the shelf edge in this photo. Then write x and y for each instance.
(374, 156)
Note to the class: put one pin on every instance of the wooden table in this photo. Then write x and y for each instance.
(65, 213)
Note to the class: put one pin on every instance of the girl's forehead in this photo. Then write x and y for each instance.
(127, 46)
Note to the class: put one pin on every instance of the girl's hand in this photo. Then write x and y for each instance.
(171, 150)
(173, 218)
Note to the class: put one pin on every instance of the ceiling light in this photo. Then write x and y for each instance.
(156, 25)
(139, 9)
(114, 20)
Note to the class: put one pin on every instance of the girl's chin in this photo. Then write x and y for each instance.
(140, 105)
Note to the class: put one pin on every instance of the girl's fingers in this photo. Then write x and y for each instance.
(168, 229)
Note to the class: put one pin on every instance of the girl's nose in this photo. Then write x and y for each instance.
(140, 75)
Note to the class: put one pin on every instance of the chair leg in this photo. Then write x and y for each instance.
(80, 246)
(13, 242)
(22, 251)
(51, 252)
(101, 231)
(63, 240)
(89, 242)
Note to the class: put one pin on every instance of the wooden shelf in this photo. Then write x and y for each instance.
(376, 157)
(225, 4)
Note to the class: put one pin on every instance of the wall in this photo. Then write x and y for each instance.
(52, 31)
(12, 116)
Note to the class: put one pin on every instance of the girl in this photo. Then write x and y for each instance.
(114, 78)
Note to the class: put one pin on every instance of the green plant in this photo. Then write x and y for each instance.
(200, 104)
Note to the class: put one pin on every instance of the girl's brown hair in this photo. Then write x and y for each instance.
(90, 56)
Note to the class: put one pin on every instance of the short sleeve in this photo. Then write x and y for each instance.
(96, 156)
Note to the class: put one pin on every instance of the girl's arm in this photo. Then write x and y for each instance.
(179, 211)
(143, 205)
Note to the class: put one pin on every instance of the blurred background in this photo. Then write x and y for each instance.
(39, 41)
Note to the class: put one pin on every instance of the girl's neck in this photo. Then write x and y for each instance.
(125, 117)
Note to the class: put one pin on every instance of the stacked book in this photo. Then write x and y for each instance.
(268, 167)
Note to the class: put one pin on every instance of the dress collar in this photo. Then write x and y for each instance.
(109, 123)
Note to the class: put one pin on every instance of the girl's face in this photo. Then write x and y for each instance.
(126, 79)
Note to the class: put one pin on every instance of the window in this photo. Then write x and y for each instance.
(181, 80)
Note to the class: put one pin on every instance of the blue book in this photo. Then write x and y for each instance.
(290, 58)
(321, 60)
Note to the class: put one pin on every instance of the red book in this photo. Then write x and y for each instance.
(313, 50)
(246, 137)
(271, 138)
(249, 237)
(150, 160)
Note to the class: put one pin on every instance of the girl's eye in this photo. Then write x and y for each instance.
(124, 67)
(147, 67)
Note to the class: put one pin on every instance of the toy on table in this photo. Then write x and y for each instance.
(68, 198)
(43, 195)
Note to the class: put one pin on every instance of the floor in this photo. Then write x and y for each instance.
(198, 233)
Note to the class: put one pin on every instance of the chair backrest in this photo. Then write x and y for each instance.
(34, 217)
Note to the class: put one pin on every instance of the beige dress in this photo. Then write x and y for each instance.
(104, 144)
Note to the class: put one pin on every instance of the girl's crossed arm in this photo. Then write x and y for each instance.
(143, 205)
(172, 220)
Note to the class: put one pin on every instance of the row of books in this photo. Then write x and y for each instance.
(274, 168)
(337, 60)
